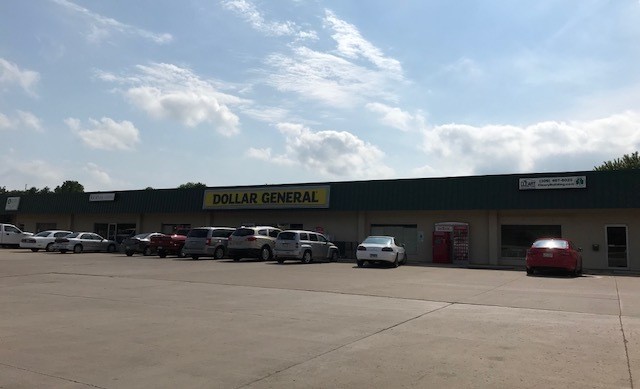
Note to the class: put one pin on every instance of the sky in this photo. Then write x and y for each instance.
(123, 95)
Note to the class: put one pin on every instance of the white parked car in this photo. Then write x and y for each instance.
(377, 249)
(43, 240)
(305, 246)
(84, 241)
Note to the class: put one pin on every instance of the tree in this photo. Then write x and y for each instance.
(69, 187)
(192, 185)
(628, 161)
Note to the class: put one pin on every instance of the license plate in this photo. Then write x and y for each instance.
(373, 255)
(547, 255)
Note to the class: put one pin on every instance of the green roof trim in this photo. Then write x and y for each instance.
(604, 189)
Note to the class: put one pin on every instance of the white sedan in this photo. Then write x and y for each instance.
(377, 249)
(42, 240)
(84, 241)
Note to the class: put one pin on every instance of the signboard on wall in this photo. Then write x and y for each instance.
(573, 182)
(264, 198)
(102, 197)
(12, 204)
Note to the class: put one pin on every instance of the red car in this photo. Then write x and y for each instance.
(554, 253)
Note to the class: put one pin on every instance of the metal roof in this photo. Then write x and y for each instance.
(607, 189)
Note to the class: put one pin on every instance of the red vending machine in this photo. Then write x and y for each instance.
(451, 242)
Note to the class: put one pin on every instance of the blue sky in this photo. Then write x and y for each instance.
(154, 93)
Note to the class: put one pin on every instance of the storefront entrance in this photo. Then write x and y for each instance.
(616, 236)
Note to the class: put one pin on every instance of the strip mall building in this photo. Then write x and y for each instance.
(478, 220)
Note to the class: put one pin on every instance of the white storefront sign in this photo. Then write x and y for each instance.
(573, 182)
(12, 204)
(102, 196)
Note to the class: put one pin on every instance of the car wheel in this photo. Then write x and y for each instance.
(404, 259)
(49, 247)
(529, 271)
(35, 250)
(334, 256)
(265, 253)
(395, 261)
(129, 253)
(195, 257)
(181, 254)
(147, 251)
(219, 253)
(306, 257)
(111, 248)
(63, 251)
(360, 263)
(77, 248)
(163, 254)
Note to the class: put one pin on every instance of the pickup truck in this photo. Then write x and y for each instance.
(11, 235)
(169, 244)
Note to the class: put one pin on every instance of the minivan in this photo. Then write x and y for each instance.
(207, 242)
(305, 246)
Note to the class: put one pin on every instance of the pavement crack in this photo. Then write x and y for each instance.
(52, 376)
(345, 345)
(624, 336)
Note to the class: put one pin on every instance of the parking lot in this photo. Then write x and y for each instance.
(112, 321)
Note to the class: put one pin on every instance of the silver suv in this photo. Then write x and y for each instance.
(253, 242)
(207, 242)
(305, 246)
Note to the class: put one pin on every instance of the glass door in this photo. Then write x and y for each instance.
(617, 245)
(112, 230)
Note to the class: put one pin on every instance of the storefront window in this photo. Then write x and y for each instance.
(516, 239)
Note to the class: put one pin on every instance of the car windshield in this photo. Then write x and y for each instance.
(198, 233)
(43, 233)
(221, 233)
(74, 235)
(384, 240)
(287, 235)
(551, 244)
(243, 232)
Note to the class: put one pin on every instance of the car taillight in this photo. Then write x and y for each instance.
(208, 242)
(362, 248)
(387, 249)
(251, 238)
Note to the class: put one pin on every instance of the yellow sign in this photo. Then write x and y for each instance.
(289, 197)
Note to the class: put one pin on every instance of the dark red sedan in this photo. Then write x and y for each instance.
(554, 254)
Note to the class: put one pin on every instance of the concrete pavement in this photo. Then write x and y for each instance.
(111, 321)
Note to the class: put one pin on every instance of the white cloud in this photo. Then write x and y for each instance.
(22, 120)
(168, 91)
(250, 13)
(459, 149)
(397, 118)
(101, 26)
(465, 68)
(95, 174)
(352, 45)
(106, 134)
(327, 78)
(15, 173)
(11, 74)
(29, 120)
(329, 153)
